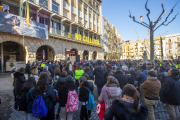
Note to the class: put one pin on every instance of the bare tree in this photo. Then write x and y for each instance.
(152, 25)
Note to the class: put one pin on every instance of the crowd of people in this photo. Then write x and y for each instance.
(129, 89)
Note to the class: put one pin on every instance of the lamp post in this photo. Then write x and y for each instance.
(152, 25)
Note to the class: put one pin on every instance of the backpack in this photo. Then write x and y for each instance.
(39, 108)
(91, 102)
(20, 104)
(72, 101)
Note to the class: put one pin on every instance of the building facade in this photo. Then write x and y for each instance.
(111, 40)
(73, 25)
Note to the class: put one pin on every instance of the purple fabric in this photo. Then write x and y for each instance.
(105, 93)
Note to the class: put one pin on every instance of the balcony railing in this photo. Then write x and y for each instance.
(73, 9)
(79, 13)
(66, 5)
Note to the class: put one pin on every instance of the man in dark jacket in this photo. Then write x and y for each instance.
(99, 76)
(27, 70)
(171, 93)
(50, 69)
(141, 78)
(19, 80)
(122, 79)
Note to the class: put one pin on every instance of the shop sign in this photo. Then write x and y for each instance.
(18, 25)
(86, 39)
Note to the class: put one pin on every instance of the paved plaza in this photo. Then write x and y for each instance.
(7, 111)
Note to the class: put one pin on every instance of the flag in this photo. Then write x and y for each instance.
(69, 35)
(27, 16)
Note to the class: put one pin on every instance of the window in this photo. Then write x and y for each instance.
(55, 7)
(41, 3)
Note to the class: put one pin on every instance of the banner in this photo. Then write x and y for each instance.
(18, 25)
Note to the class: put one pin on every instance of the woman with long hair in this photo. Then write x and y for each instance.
(127, 107)
(27, 87)
(110, 91)
(57, 71)
(46, 91)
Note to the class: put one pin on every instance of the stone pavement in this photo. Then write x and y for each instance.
(7, 111)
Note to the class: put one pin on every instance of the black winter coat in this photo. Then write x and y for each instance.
(49, 97)
(50, 69)
(84, 92)
(122, 110)
(122, 79)
(162, 76)
(60, 83)
(19, 80)
(134, 75)
(27, 70)
(99, 76)
(91, 76)
(171, 90)
(106, 74)
(63, 92)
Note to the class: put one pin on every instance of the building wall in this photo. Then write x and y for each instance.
(58, 46)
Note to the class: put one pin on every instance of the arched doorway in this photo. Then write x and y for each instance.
(94, 55)
(85, 55)
(76, 51)
(45, 52)
(13, 54)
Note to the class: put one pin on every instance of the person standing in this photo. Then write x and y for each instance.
(78, 73)
(28, 87)
(99, 76)
(27, 70)
(152, 88)
(19, 80)
(127, 107)
(171, 93)
(50, 69)
(44, 89)
(122, 79)
(141, 78)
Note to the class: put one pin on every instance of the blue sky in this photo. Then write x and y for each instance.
(117, 13)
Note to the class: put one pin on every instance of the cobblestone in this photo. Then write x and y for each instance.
(7, 111)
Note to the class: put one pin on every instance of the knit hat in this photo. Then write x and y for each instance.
(109, 66)
(69, 78)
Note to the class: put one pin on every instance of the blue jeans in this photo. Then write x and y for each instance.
(29, 74)
(58, 108)
(99, 90)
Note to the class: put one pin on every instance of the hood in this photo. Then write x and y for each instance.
(109, 69)
(123, 108)
(69, 78)
(114, 92)
(61, 79)
(18, 74)
(145, 72)
(133, 72)
(176, 78)
(85, 84)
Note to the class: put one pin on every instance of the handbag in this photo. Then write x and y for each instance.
(100, 110)
(20, 103)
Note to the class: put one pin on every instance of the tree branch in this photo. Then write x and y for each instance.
(148, 11)
(159, 18)
(137, 21)
(163, 23)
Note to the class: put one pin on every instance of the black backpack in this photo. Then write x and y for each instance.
(20, 103)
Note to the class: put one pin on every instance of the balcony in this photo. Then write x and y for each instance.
(79, 13)
(66, 5)
(85, 17)
(90, 20)
(73, 9)
(98, 24)
(90, 3)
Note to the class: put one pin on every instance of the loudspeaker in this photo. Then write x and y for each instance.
(77, 58)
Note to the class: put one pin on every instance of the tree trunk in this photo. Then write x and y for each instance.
(151, 44)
